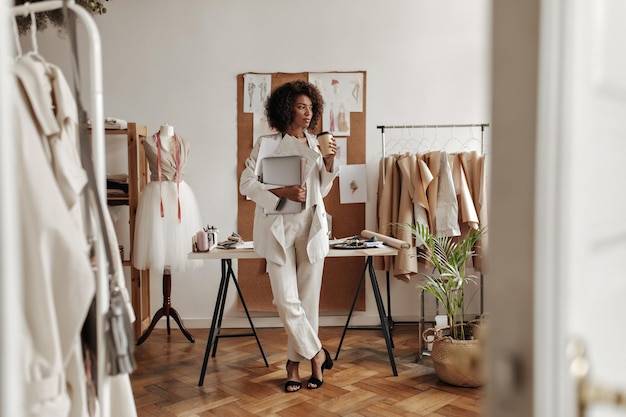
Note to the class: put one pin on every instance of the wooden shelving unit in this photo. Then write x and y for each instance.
(138, 177)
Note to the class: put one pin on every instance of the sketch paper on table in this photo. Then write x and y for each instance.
(353, 184)
(256, 89)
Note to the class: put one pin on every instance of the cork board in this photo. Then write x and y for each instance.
(341, 275)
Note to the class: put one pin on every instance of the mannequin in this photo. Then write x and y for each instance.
(167, 134)
(167, 218)
(166, 131)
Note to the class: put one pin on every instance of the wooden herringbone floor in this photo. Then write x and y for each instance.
(238, 383)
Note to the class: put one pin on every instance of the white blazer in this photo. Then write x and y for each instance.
(269, 232)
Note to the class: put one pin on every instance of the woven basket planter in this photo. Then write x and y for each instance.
(457, 362)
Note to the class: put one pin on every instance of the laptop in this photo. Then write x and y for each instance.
(283, 171)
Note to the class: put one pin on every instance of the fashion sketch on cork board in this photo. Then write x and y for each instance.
(342, 94)
(353, 184)
(256, 90)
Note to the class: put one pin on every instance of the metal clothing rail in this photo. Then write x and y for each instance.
(431, 126)
(382, 128)
(97, 117)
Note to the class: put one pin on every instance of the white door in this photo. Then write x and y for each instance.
(590, 242)
(579, 222)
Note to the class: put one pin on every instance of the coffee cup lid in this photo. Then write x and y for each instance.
(324, 133)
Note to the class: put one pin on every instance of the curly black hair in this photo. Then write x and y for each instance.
(279, 107)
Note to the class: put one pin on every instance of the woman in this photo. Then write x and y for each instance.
(294, 245)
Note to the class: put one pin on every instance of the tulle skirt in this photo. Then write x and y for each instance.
(162, 241)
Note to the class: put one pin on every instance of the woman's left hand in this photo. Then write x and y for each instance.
(330, 159)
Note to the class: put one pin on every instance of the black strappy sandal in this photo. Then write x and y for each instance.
(290, 384)
(328, 364)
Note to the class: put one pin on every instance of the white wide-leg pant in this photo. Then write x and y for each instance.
(296, 288)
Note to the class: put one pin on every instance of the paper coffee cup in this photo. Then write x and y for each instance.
(324, 139)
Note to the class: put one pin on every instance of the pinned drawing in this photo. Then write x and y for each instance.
(352, 184)
(256, 88)
(261, 127)
(342, 151)
(342, 92)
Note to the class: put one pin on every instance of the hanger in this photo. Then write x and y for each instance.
(475, 139)
(433, 144)
(29, 76)
(16, 38)
(33, 30)
(33, 38)
(450, 140)
(34, 53)
(428, 144)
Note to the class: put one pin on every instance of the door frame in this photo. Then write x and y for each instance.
(551, 396)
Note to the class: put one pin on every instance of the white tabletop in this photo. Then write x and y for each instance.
(249, 253)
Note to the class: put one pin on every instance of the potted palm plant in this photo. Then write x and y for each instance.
(456, 348)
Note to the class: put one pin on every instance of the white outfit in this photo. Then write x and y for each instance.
(294, 245)
(164, 239)
(58, 280)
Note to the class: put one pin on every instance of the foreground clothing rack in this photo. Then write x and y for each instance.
(414, 139)
(96, 112)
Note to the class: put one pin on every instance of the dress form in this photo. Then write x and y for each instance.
(167, 213)
(166, 136)
(166, 133)
(159, 247)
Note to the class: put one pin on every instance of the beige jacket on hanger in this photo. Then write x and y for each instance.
(386, 205)
(405, 263)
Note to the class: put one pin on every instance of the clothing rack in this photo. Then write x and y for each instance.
(97, 117)
(414, 144)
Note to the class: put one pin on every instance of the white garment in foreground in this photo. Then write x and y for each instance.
(59, 283)
(57, 278)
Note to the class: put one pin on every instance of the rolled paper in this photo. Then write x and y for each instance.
(387, 240)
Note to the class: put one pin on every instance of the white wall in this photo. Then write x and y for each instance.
(177, 62)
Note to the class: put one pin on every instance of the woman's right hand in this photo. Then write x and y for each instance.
(293, 192)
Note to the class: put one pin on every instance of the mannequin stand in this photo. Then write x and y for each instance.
(167, 310)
